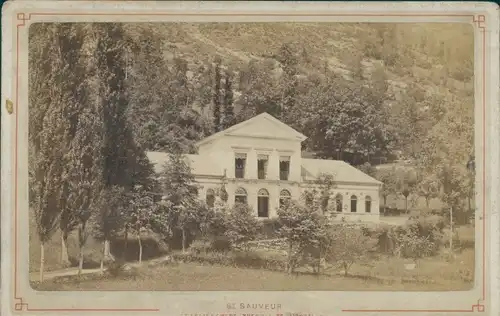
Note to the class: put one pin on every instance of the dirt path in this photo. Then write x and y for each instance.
(35, 276)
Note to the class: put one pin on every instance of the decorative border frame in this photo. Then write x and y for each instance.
(479, 20)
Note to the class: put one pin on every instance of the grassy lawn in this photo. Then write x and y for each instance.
(433, 274)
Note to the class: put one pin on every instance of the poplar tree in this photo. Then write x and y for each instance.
(217, 97)
(75, 110)
(54, 97)
(289, 63)
(120, 150)
(228, 110)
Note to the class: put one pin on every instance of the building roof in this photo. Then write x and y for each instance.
(342, 171)
(200, 165)
(311, 168)
(261, 125)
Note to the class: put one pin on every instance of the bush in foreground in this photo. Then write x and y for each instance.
(242, 225)
(242, 259)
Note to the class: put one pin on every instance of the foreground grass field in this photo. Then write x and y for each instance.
(432, 274)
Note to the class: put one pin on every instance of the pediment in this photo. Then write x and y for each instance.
(265, 127)
(261, 126)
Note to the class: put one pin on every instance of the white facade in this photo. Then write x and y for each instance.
(230, 158)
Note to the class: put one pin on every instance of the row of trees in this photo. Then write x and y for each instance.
(87, 171)
(413, 183)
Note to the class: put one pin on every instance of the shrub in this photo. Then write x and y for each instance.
(304, 231)
(429, 226)
(246, 259)
(175, 242)
(215, 224)
(466, 275)
(116, 268)
(255, 260)
(415, 246)
(90, 260)
(200, 246)
(221, 244)
(242, 225)
(152, 247)
(270, 228)
(391, 211)
(386, 238)
(211, 244)
(348, 245)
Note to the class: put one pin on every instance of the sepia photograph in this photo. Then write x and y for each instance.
(249, 155)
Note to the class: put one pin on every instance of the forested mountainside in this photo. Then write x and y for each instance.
(379, 90)
(375, 89)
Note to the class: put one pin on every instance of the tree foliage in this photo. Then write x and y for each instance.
(242, 224)
(180, 191)
(389, 179)
(228, 117)
(304, 232)
(348, 245)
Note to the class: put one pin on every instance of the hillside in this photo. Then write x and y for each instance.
(429, 64)
(423, 52)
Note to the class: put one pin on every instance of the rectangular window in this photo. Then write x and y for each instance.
(284, 168)
(239, 164)
(262, 161)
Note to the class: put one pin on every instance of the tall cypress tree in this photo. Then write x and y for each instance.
(217, 97)
(228, 111)
(289, 80)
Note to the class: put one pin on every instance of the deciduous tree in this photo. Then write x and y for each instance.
(144, 215)
(303, 231)
(389, 179)
(428, 188)
(348, 245)
(181, 191)
(242, 225)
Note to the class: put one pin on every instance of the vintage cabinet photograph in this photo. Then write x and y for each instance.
(226, 153)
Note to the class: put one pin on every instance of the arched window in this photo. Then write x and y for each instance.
(285, 197)
(210, 198)
(240, 196)
(263, 203)
(338, 203)
(368, 204)
(354, 204)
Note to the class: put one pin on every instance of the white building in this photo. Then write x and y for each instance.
(259, 162)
